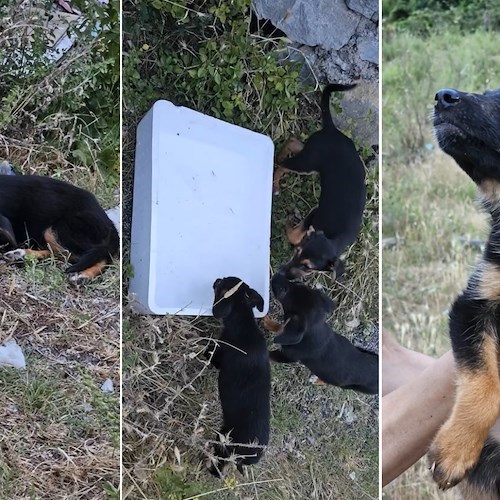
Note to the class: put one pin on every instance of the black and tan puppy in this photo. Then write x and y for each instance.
(322, 237)
(244, 375)
(467, 127)
(40, 216)
(306, 337)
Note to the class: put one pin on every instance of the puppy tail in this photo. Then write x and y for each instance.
(325, 101)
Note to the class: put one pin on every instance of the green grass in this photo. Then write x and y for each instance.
(414, 69)
(69, 109)
(429, 204)
(324, 442)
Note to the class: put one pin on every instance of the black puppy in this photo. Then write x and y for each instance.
(306, 337)
(46, 216)
(467, 127)
(322, 237)
(244, 375)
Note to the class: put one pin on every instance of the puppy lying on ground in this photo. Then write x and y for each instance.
(306, 337)
(322, 237)
(40, 216)
(467, 127)
(244, 375)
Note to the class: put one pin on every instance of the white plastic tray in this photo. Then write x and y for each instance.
(201, 210)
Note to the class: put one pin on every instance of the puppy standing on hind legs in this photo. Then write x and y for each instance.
(244, 376)
(467, 127)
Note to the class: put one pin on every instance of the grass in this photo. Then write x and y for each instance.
(430, 214)
(60, 435)
(415, 68)
(60, 432)
(324, 442)
(71, 106)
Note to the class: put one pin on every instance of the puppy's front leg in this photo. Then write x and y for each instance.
(458, 444)
(278, 356)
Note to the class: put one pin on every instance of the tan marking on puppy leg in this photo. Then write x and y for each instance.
(459, 442)
(491, 191)
(271, 325)
(489, 282)
(38, 254)
(315, 380)
(91, 272)
(51, 240)
(279, 172)
(295, 234)
(292, 147)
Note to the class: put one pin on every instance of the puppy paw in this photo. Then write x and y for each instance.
(78, 279)
(271, 325)
(454, 452)
(313, 379)
(15, 255)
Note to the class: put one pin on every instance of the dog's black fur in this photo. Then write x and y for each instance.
(337, 218)
(307, 338)
(467, 127)
(244, 375)
(32, 205)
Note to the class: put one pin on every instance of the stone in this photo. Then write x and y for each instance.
(335, 41)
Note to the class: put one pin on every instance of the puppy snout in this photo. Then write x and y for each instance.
(446, 98)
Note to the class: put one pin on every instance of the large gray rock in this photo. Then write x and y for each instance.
(337, 41)
(310, 22)
(360, 113)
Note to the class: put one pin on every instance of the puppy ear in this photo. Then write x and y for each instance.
(254, 299)
(293, 333)
(222, 309)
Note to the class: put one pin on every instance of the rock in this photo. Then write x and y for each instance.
(366, 8)
(335, 41)
(310, 22)
(360, 113)
(368, 48)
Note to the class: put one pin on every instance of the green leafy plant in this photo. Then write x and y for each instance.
(72, 104)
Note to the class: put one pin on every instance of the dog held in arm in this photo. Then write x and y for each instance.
(467, 127)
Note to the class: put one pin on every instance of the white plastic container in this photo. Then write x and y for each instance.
(201, 210)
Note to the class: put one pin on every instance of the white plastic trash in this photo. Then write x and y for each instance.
(201, 210)
(107, 387)
(12, 355)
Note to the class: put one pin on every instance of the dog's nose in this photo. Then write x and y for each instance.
(447, 98)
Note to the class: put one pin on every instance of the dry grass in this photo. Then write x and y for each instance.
(430, 208)
(59, 437)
